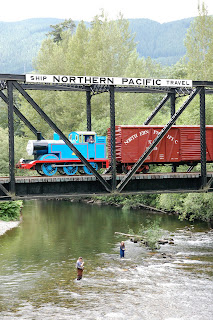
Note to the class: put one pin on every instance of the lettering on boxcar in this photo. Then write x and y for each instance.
(142, 133)
(172, 139)
(133, 137)
(156, 131)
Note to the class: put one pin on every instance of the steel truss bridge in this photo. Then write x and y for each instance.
(16, 187)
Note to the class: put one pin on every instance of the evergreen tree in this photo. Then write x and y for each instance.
(58, 29)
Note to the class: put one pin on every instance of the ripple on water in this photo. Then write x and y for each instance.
(172, 284)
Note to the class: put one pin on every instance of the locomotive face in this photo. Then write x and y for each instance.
(30, 147)
(37, 145)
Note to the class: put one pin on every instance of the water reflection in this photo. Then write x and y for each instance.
(38, 276)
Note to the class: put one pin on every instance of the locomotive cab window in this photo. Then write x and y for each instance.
(90, 138)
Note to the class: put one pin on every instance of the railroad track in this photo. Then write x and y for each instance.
(63, 178)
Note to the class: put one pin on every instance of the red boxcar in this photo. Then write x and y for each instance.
(181, 145)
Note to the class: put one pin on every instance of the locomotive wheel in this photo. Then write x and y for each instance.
(40, 172)
(70, 170)
(145, 170)
(61, 171)
(48, 169)
(81, 170)
(94, 165)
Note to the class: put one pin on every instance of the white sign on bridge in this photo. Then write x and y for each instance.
(89, 80)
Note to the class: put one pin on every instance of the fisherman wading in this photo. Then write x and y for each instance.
(80, 268)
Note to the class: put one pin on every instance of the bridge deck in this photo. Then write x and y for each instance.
(68, 186)
(64, 178)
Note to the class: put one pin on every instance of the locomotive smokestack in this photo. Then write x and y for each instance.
(39, 136)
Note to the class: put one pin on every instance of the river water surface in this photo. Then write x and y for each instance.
(38, 275)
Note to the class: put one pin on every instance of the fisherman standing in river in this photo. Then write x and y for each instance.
(122, 249)
(80, 268)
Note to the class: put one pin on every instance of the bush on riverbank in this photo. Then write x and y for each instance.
(190, 206)
(128, 202)
(10, 210)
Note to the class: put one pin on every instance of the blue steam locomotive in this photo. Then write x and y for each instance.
(51, 156)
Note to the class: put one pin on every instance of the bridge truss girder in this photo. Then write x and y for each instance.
(10, 82)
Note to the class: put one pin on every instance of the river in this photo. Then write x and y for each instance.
(38, 275)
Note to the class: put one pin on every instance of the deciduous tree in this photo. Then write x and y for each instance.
(199, 46)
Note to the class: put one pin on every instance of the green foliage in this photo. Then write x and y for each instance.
(198, 207)
(111, 200)
(10, 210)
(199, 46)
(60, 28)
(192, 206)
(20, 151)
(136, 201)
(4, 155)
(4, 115)
(171, 201)
(128, 202)
(150, 233)
(147, 199)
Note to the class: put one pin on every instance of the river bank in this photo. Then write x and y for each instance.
(99, 201)
(10, 215)
(7, 225)
(191, 207)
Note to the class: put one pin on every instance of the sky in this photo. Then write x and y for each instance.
(158, 10)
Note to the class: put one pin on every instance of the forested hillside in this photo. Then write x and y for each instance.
(21, 41)
(162, 42)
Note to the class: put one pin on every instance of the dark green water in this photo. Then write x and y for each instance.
(38, 275)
